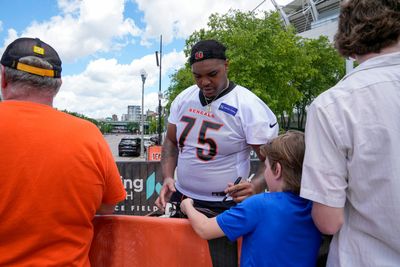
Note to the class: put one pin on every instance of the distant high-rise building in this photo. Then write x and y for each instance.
(151, 113)
(134, 113)
(114, 117)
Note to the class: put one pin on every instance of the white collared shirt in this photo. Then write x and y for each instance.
(352, 160)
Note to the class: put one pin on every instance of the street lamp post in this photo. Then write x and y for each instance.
(143, 74)
(159, 92)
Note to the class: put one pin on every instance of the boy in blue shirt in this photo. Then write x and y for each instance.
(277, 227)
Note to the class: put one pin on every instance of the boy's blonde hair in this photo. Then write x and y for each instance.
(287, 149)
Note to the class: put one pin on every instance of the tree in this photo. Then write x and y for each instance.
(326, 68)
(133, 127)
(180, 80)
(153, 125)
(269, 59)
(263, 54)
(104, 127)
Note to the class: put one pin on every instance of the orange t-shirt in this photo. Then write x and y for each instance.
(55, 172)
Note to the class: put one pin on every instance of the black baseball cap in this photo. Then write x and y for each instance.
(207, 49)
(23, 47)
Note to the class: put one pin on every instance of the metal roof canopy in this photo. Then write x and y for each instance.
(305, 15)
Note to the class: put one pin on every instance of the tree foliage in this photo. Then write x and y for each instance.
(325, 69)
(286, 71)
(153, 125)
(180, 80)
(133, 127)
(104, 127)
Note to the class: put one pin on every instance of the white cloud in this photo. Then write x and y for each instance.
(11, 36)
(69, 6)
(84, 28)
(1, 26)
(179, 19)
(106, 87)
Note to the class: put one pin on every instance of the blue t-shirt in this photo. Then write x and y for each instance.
(277, 230)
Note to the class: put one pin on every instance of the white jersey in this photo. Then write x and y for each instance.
(214, 146)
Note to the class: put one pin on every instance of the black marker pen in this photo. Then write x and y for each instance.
(235, 183)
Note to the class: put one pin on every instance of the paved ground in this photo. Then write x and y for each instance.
(113, 140)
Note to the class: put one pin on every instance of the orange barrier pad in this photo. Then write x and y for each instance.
(146, 242)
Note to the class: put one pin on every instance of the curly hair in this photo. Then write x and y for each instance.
(367, 26)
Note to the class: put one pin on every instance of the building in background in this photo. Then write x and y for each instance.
(313, 18)
(134, 113)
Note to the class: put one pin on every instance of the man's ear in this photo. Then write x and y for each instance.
(3, 83)
(3, 78)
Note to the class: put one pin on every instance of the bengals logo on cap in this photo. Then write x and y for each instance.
(199, 55)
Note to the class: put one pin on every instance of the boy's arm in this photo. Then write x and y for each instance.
(206, 228)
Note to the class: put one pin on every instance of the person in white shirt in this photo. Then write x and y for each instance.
(212, 128)
(352, 162)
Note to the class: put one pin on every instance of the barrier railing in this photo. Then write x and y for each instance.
(121, 241)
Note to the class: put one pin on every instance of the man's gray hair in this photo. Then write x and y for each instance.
(23, 83)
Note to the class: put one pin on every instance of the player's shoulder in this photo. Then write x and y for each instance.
(243, 93)
(188, 91)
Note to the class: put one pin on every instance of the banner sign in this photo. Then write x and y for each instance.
(154, 153)
(143, 182)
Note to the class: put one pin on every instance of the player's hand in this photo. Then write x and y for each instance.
(167, 190)
(240, 191)
(185, 204)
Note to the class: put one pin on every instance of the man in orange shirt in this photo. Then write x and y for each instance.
(56, 170)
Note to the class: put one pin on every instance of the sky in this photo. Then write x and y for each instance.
(105, 44)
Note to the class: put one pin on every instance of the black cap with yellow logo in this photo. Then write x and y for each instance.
(24, 47)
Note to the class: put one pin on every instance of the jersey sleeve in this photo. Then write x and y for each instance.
(240, 219)
(259, 122)
(324, 169)
(174, 110)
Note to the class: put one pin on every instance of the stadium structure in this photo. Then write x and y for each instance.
(313, 18)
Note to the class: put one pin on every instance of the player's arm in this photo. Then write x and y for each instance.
(258, 181)
(169, 153)
(169, 158)
(327, 219)
(245, 189)
(206, 228)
